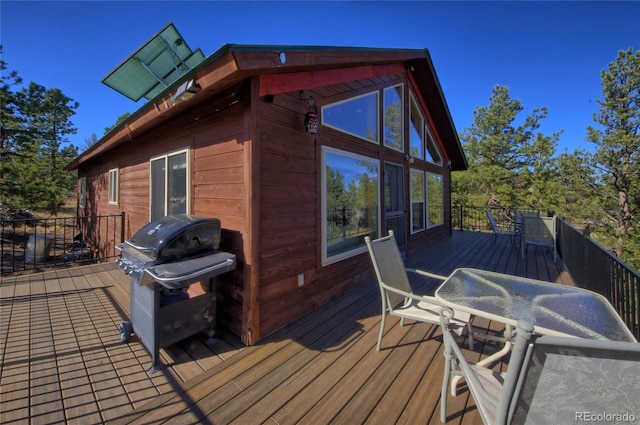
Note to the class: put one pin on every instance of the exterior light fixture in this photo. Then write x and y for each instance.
(311, 121)
(409, 158)
(186, 91)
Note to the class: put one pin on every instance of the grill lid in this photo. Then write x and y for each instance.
(177, 236)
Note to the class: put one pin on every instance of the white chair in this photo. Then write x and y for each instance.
(492, 391)
(571, 380)
(514, 236)
(550, 379)
(398, 298)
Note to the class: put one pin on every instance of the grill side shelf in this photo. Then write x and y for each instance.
(177, 275)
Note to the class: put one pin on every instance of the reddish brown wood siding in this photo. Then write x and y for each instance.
(290, 205)
(218, 189)
(254, 168)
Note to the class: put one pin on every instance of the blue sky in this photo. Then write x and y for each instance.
(547, 53)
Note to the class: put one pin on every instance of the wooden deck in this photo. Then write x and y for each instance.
(62, 360)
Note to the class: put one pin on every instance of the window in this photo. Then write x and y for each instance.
(417, 201)
(393, 122)
(82, 198)
(416, 130)
(169, 185)
(433, 154)
(350, 203)
(113, 186)
(435, 195)
(357, 116)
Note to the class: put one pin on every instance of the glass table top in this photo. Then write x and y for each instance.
(552, 308)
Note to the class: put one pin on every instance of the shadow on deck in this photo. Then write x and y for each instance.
(62, 360)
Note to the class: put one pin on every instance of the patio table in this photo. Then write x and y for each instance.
(553, 309)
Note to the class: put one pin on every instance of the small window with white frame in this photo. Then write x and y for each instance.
(113, 185)
(82, 195)
(170, 184)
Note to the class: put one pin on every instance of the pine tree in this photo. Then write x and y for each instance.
(617, 156)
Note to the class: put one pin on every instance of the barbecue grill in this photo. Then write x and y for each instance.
(163, 259)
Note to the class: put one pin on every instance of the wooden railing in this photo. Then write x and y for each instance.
(34, 243)
(591, 266)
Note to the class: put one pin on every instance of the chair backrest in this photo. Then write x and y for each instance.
(389, 266)
(493, 403)
(573, 380)
(492, 222)
(539, 230)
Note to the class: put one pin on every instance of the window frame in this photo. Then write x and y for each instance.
(431, 141)
(384, 124)
(429, 204)
(347, 100)
(361, 248)
(413, 104)
(412, 201)
(114, 186)
(166, 180)
(82, 196)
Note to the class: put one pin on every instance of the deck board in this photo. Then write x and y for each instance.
(62, 360)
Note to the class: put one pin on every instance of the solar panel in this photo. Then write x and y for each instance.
(161, 61)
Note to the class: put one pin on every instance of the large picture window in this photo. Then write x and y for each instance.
(435, 195)
(169, 185)
(350, 203)
(417, 201)
(357, 116)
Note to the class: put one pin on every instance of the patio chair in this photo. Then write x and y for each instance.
(492, 391)
(514, 236)
(539, 231)
(570, 380)
(550, 379)
(398, 298)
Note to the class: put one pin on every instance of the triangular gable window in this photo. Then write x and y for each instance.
(357, 116)
(433, 153)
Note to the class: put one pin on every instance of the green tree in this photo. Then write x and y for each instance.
(90, 141)
(509, 163)
(617, 156)
(120, 119)
(38, 178)
(10, 124)
(577, 185)
(336, 191)
(542, 188)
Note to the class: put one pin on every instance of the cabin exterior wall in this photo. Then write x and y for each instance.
(253, 166)
(293, 279)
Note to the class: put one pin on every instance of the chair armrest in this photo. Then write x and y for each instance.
(427, 274)
(429, 299)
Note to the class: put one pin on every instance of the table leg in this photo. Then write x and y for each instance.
(508, 333)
